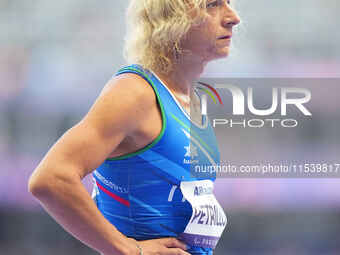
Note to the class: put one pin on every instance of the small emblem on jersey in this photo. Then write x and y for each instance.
(190, 151)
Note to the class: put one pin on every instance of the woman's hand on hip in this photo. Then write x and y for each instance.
(162, 246)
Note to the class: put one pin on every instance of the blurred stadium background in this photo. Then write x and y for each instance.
(55, 56)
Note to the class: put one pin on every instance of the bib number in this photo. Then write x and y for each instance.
(208, 219)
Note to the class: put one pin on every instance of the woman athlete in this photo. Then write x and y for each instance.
(140, 139)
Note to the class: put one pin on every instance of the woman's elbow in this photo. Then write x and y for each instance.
(38, 185)
(42, 181)
(45, 182)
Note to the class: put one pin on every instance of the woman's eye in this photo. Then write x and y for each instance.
(213, 4)
(216, 3)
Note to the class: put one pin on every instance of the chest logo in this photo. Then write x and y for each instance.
(191, 151)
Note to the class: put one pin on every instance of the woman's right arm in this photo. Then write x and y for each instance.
(56, 182)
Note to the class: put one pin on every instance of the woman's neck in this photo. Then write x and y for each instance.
(182, 76)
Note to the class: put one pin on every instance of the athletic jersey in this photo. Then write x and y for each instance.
(139, 193)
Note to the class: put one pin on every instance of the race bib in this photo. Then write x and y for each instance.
(208, 219)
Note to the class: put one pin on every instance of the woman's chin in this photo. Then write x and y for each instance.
(222, 54)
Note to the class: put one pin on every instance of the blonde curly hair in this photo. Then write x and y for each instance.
(155, 29)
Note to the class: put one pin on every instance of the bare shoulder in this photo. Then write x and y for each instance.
(132, 87)
(125, 99)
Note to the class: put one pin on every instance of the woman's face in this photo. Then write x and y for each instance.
(211, 39)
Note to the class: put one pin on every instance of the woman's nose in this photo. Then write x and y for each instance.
(231, 17)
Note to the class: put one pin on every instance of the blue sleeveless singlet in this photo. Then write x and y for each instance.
(139, 192)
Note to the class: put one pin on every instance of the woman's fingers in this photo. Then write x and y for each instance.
(175, 251)
(163, 246)
(173, 243)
